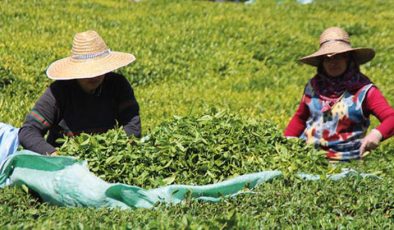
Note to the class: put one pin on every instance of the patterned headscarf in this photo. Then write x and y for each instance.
(330, 89)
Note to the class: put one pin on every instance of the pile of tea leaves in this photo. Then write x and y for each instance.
(194, 150)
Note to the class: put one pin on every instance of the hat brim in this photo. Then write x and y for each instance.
(360, 55)
(68, 68)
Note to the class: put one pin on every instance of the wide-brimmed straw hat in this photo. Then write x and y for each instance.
(335, 40)
(90, 57)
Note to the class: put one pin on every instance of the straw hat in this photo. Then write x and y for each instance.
(335, 40)
(90, 57)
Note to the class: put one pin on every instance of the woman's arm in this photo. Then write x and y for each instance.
(37, 123)
(378, 106)
(128, 110)
(298, 123)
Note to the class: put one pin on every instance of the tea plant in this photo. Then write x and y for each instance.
(194, 55)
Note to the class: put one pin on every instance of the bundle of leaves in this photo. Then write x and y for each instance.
(194, 150)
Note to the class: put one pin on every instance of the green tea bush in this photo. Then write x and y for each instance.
(348, 203)
(193, 55)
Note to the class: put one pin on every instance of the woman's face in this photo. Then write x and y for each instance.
(336, 65)
(89, 85)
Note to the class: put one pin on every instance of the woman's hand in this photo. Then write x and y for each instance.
(371, 141)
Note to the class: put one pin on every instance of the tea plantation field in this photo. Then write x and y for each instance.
(224, 72)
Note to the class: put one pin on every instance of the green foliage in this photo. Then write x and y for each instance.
(6, 77)
(194, 55)
(350, 203)
(195, 150)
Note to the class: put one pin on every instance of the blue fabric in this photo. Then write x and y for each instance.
(8, 141)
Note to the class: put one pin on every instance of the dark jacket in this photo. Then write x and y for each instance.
(65, 109)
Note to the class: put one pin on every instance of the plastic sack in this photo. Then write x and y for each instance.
(8, 141)
(66, 181)
(305, 1)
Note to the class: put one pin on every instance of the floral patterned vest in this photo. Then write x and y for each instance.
(339, 130)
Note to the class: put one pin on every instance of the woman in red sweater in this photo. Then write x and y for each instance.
(334, 111)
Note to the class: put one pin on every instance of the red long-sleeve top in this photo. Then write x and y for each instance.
(374, 103)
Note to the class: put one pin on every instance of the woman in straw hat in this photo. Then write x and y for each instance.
(86, 96)
(334, 110)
